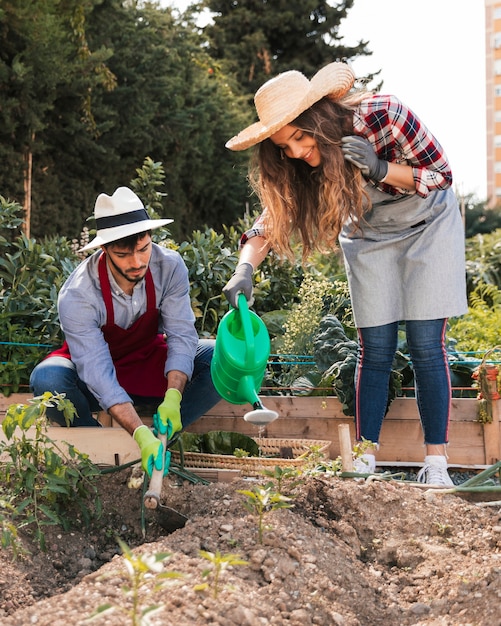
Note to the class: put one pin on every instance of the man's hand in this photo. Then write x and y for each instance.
(169, 414)
(152, 451)
(240, 282)
(359, 151)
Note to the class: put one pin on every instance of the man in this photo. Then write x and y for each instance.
(129, 332)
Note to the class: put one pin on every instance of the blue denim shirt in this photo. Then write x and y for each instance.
(82, 313)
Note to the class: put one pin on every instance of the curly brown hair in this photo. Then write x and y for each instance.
(305, 203)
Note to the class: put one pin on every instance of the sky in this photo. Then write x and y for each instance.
(431, 54)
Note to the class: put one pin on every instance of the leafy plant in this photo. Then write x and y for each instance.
(31, 275)
(210, 265)
(483, 260)
(45, 485)
(219, 563)
(140, 570)
(262, 500)
(480, 328)
(9, 536)
(283, 477)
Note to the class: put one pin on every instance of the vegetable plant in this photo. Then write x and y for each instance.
(43, 484)
(140, 569)
(219, 563)
(283, 477)
(260, 501)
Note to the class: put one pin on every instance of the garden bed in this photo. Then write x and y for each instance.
(472, 443)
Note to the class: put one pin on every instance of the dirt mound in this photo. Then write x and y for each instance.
(347, 553)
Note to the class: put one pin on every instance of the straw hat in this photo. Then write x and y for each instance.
(280, 100)
(119, 216)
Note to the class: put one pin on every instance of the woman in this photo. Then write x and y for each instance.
(360, 168)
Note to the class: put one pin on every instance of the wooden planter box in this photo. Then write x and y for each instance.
(471, 442)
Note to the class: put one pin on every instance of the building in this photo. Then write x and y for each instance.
(493, 98)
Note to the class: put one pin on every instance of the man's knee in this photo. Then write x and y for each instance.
(52, 374)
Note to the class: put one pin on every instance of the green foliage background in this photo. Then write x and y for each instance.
(97, 93)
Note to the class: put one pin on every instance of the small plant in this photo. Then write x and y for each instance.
(9, 537)
(141, 569)
(262, 500)
(282, 476)
(331, 467)
(44, 485)
(240, 453)
(444, 530)
(488, 382)
(363, 447)
(219, 563)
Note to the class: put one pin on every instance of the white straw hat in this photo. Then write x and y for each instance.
(280, 100)
(119, 216)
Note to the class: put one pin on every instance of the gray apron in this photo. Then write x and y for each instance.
(407, 260)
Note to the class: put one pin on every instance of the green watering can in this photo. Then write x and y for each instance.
(239, 361)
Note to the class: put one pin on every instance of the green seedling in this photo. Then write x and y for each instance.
(241, 454)
(219, 563)
(283, 476)
(43, 484)
(262, 500)
(444, 530)
(363, 447)
(9, 537)
(141, 569)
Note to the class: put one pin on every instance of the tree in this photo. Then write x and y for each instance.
(41, 45)
(479, 219)
(170, 103)
(257, 39)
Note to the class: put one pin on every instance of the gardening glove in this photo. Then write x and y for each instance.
(152, 451)
(359, 151)
(240, 282)
(167, 419)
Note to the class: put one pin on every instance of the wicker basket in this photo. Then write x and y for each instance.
(252, 466)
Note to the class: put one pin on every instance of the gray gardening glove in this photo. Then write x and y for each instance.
(359, 151)
(240, 282)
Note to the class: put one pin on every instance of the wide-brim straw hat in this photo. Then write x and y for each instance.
(119, 216)
(280, 100)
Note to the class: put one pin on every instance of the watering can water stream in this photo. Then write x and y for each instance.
(239, 361)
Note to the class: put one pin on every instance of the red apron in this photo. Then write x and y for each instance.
(138, 352)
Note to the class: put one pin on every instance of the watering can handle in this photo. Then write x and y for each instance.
(243, 309)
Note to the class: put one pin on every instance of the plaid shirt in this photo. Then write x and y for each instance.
(397, 136)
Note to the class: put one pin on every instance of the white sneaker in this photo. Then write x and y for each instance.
(435, 472)
(365, 464)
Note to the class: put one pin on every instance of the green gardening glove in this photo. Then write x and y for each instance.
(169, 414)
(152, 451)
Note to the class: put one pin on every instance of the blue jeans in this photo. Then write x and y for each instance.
(60, 375)
(426, 343)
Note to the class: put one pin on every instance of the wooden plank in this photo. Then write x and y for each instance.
(471, 443)
(492, 431)
(105, 446)
(14, 398)
(216, 475)
(462, 409)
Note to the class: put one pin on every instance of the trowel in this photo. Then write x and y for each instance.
(168, 518)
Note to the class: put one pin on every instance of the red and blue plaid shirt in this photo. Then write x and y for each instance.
(397, 136)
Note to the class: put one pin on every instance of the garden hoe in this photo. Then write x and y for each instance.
(168, 518)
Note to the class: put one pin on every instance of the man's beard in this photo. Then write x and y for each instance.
(130, 279)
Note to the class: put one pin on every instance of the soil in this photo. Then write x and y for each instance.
(349, 552)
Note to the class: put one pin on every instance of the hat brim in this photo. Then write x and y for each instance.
(257, 132)
(109, 235)
(334, 81)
